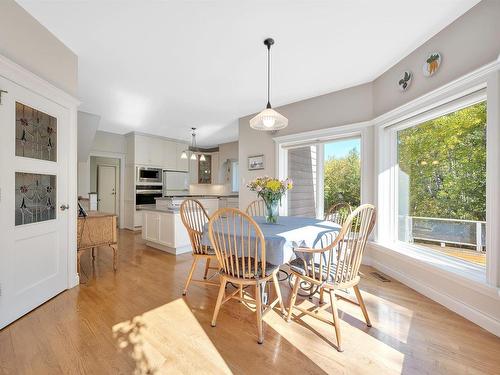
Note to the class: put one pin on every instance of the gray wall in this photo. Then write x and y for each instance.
(473, 40)
(468, 43)
(25, 41)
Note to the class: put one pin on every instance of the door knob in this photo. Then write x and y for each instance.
(64, 207)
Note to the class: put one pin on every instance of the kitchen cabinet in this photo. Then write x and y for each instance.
(205, 170)
(148, 151)
(164, 230)
(169, 151)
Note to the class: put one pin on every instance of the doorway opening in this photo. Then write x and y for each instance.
(105, 182)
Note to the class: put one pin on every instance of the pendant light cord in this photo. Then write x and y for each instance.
(268, 76)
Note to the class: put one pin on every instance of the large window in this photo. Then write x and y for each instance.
(441, 184)
(324, 174)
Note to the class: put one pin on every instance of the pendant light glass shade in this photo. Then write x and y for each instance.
(193, 156)
(269, 120)
(184, 155)
(202, 157)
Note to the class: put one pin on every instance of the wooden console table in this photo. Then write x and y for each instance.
(97, 229)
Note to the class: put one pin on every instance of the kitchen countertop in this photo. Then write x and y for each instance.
(197, 196)
(152, 207)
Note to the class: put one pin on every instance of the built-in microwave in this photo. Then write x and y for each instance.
(149, 175)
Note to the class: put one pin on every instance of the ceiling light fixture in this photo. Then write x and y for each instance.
(193, 148)
(269, 119)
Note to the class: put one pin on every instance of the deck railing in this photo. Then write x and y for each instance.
(444, 231)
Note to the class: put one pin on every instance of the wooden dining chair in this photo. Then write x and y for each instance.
(256, 208)
(241, 251)
(338, 213)
(336, 266)
(194, 217)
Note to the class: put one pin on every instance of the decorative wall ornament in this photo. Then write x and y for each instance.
(36, 134)
(432, 64)
(405, 81)
(35, 198)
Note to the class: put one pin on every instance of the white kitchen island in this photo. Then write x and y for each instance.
(163, 230)
(162, 226)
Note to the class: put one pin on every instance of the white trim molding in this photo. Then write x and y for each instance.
(121, 157)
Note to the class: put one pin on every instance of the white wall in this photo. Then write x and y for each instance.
(87, 128)
(25, 41)
(109, 142)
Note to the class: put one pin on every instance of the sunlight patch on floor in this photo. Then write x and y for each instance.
(169, 339)
(310, 334)
(399, 324)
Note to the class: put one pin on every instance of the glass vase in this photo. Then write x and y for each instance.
(271, 211)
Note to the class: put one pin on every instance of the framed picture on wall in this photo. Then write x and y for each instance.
(255, 162)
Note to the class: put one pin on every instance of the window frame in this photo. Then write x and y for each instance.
(387, 229)
(362, 130)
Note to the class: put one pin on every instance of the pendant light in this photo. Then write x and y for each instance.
(184, 154)
(269, 119)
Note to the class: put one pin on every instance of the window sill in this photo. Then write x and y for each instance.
(467, 274)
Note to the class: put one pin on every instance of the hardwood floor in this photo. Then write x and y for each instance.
(137, 322)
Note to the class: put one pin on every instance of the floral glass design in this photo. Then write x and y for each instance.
(36, 133)
(35, 198)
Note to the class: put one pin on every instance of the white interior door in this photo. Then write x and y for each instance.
(33, 201)
(106, 188)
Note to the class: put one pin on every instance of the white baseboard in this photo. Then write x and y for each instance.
(474, 315)
(74, 280)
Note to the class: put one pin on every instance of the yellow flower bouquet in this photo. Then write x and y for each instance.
(271, 190)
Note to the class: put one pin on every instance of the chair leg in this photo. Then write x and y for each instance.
(241, 293)
(258, 310)
(278, 292)
(362, 305)
(336, 320)
(207, 264)
(115, 253)
(322, 296)
(293, 298)
(218, 304)
(93, 253)
(193, 266)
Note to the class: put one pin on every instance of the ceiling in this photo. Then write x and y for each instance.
(162, 67)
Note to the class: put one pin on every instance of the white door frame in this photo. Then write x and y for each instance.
(115, 155)
(26, 79)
